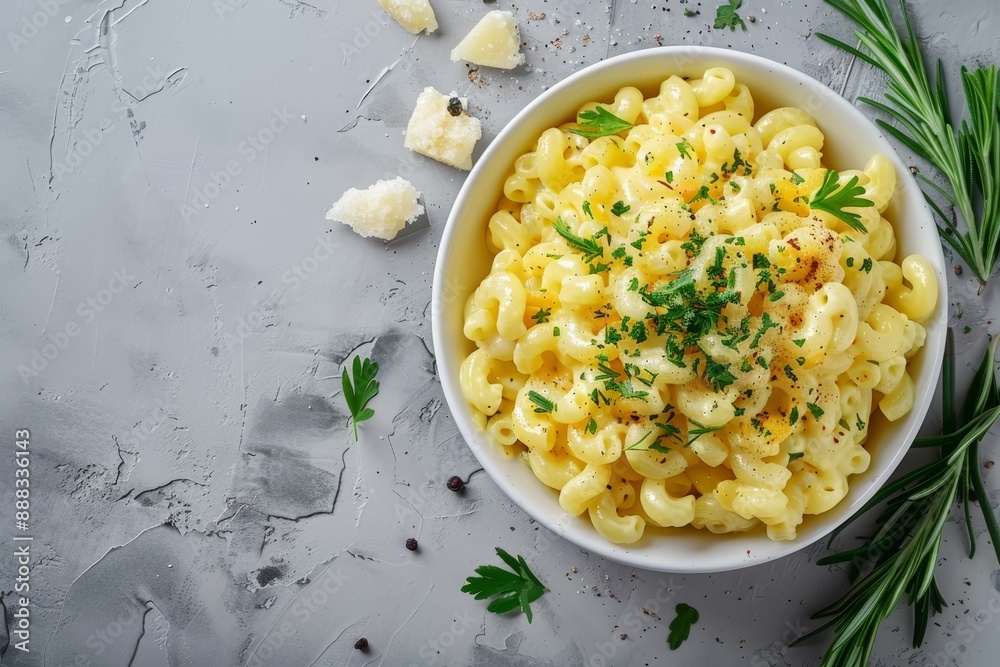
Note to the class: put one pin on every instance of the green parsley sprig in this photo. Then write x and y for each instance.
(517, 587)
(726, 16)
(599, 122)
(363, 389)
(966, 154)
(900, 558)
(833, 199)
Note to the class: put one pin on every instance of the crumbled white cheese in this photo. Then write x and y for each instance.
(433, 131)
(413, 15)
(494, 42)
(380, 211)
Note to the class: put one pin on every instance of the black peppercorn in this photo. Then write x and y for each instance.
(361, 644)
(411, 544)
(455, 106)
(456, 483)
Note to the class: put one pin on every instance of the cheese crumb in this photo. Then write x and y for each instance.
(433, 131)
(494, 42)
(380, 211)
(413, 15)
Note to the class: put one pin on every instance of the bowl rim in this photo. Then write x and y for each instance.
(931, 352)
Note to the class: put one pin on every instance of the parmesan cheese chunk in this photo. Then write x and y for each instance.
(494, 42)
(433, 131)
(380, 211)
(413, 15)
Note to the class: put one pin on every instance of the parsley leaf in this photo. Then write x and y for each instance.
(590, 248)
(587, 210)
(542, 404)
(816, 411)
(542, 316)
(718, 375)
(726, 16)
(620, 208)
(591, 427)
(795, 456)
(599, 122)
(794, 415)
(363, 389)
(833, 200)
(515, 588)
(682, 147)
(680, 627)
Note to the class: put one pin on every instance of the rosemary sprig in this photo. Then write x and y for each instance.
(968, 155)
(900, 559)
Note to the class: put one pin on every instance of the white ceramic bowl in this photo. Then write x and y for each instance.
(463, 261)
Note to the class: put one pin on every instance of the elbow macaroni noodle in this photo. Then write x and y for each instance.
(671, 336)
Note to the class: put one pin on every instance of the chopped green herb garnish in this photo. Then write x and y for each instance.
(682, 147)
(619, 208)
(794, 415)
(816, 411)
(834, 200)
(599, 122)
(795, 456)
(542, 316)
(700, 430)
(703, 193)
(542, 404)
(590, 248)
(718, 375)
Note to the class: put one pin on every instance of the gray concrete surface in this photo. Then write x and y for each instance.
(196, 495)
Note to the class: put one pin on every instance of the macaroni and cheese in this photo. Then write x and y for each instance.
(689, 319)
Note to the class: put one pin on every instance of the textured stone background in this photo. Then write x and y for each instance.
(197, 496)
